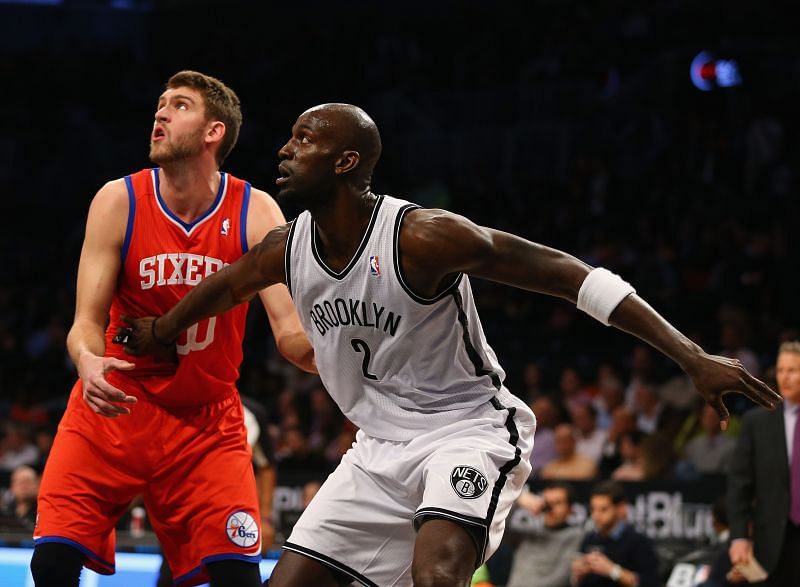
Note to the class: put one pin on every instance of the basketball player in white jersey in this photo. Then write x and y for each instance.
(383, 292)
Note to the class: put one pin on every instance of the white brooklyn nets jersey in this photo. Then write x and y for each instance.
(396, 364)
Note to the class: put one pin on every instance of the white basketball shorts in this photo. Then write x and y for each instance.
(363, 521)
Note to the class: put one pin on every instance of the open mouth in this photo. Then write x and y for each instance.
(158, 133)
(283, 176)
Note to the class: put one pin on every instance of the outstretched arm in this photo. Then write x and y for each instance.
(239, 282)
(435, 245)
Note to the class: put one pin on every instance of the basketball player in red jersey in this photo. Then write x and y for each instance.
(173, 429)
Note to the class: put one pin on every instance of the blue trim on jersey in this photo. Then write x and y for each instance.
(186, 576)
(189, 225)
(243, 217)
(255, 559)
(110, 569)
(131, 213)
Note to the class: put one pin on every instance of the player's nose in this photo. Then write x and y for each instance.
(161, 114)
(285, 152)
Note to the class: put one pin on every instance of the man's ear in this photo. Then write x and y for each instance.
(348, 161)
(215, 132)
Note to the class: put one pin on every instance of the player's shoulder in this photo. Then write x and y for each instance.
(263, 216)
(261, 200)
(113, 195)
(430, 222)
(426, 228)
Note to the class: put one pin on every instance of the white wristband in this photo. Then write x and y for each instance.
(601, 292)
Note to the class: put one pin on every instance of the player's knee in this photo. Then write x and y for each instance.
(441, 574)
(56, 565)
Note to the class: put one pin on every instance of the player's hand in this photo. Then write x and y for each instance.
(715, 376)
(740, 552)
(140, 340)
(102, 397)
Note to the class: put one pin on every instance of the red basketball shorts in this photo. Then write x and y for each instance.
(192, 465)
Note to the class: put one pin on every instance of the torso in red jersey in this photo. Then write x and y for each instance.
(163, 258)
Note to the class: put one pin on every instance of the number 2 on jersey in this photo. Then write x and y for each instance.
(360, 346)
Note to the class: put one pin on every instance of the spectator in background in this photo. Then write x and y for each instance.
(325, 422)
(652, 414)
(658, 456)
(623, 421)
(568, 464)
(614, 552)
(572, 391)
(531, 382)
(632, 467)
(610, 395)
(733, 346)
(44, 442)
(16, 448)
(764, 481)
(590, 438)
(710, 451)
(544, 449)
(22, 494)
(643, 369)
(310, 489)
(545, 554)
(295, 457)
(343, 442)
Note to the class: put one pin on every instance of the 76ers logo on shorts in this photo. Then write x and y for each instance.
(468, 482)
(242, 529)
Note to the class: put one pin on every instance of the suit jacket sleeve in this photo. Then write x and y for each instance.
(741, 483)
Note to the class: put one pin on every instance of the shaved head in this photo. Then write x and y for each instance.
(355, 131)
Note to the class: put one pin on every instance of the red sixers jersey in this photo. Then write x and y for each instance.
(163, 258)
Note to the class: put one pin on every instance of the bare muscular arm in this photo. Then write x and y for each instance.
(262, 266)
(97, 277)
(435, 245)
(264, 215)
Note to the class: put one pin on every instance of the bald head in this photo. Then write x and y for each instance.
(354, 130)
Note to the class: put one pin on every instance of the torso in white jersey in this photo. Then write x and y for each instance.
(395, 363)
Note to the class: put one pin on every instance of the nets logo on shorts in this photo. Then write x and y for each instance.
(242, 529)
(468, 482)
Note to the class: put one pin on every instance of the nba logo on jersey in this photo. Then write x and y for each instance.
(468, 482)
(374, 265)
(226, 227)
(242, 529)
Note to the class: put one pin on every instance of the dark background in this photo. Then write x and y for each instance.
(574, 124)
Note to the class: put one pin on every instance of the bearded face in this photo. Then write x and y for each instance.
(171, 147)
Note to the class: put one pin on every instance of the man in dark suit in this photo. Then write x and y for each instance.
(764, 481)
